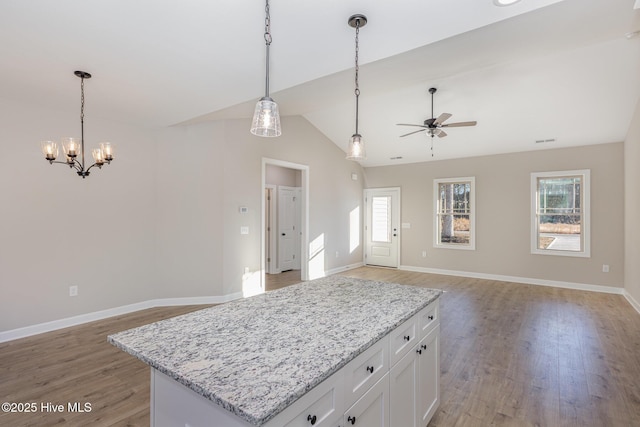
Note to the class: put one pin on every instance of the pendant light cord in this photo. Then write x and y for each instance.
(357, 90)
(267, 39)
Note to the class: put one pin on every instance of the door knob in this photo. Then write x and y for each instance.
(284, 234)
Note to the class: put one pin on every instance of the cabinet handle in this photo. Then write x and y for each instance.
(424, 346)
(370, 369)
(419, 351)
(311, 419)
(352, 420)
(407, 338)
(431, 317)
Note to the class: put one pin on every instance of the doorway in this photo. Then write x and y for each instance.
(285, 223)
(382, 222)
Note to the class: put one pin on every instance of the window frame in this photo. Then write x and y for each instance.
(471, 180)
(585, 207)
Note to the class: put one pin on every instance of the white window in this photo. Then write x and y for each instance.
(560, 213)
(454, 219)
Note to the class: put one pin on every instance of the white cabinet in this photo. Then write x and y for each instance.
(403, 385)
(414, 382)
(428, 390)
(372, 409)
(322, 406)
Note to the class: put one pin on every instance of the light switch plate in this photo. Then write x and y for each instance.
(244, 230)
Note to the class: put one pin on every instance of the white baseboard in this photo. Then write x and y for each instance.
(632, 300)
(517, 279)
(104, 314)
(343, 269)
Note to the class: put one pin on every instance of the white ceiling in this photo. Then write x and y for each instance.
(540, 69)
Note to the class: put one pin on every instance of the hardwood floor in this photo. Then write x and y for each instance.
(511, 354)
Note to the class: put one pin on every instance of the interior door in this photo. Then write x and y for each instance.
(382, 226)
(286, 228)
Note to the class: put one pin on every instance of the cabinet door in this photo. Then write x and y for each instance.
(403, 388)
(372, 410)
(429, 376)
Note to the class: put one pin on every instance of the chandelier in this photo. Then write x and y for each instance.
(74, 148)
(356, 151)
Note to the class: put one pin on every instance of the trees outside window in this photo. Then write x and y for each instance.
(454, 219)
(560, 213)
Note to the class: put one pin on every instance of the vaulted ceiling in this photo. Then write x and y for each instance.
(566, 71)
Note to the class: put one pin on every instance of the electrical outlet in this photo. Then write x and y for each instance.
(337, 254)
(73, 291)
(605, 268)
(424, 254)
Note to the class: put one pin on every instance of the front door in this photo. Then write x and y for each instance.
(382, 226)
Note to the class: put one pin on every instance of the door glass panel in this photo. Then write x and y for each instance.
(381, 219)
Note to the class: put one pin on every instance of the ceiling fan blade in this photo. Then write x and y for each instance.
(460, 124)
(441, 118)
(408, 124)
(411, 133)
(441, 134)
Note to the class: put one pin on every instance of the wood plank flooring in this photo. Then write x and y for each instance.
(511, 355)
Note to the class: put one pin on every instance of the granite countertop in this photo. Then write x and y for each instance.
(256, 356)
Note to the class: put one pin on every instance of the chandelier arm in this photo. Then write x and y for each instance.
(89, 168)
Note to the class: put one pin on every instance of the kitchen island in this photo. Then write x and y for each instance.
(302, 355)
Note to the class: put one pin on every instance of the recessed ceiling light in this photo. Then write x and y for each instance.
(505, 2)
(632, 34)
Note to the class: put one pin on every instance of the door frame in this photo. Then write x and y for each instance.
(270, 230)
(397, 222)
(304, 215)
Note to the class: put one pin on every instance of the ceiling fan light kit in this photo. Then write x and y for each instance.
(356, 150)
(433, 126)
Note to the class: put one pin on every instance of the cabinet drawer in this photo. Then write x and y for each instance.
(365, 370)
(429, 318)
(320, 407)
(402, 339)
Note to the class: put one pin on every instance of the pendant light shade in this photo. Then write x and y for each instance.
(355, 150)
(266, 118)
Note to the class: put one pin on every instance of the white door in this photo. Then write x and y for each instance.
(286, 228)
(382, 226)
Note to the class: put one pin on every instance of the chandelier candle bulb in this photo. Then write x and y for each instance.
(50, 150)
(107, 151)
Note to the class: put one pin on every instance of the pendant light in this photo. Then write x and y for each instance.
(266, 119)
(356, 151)
(74, 149)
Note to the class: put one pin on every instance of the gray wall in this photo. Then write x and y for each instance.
(632, 208)
(503, 214)
(161, 222)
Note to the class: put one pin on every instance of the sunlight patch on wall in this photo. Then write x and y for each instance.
(316, 258)
(354, 229)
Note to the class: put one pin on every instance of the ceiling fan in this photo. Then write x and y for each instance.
(433, 126)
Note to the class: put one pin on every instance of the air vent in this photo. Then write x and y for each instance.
(542, 141)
